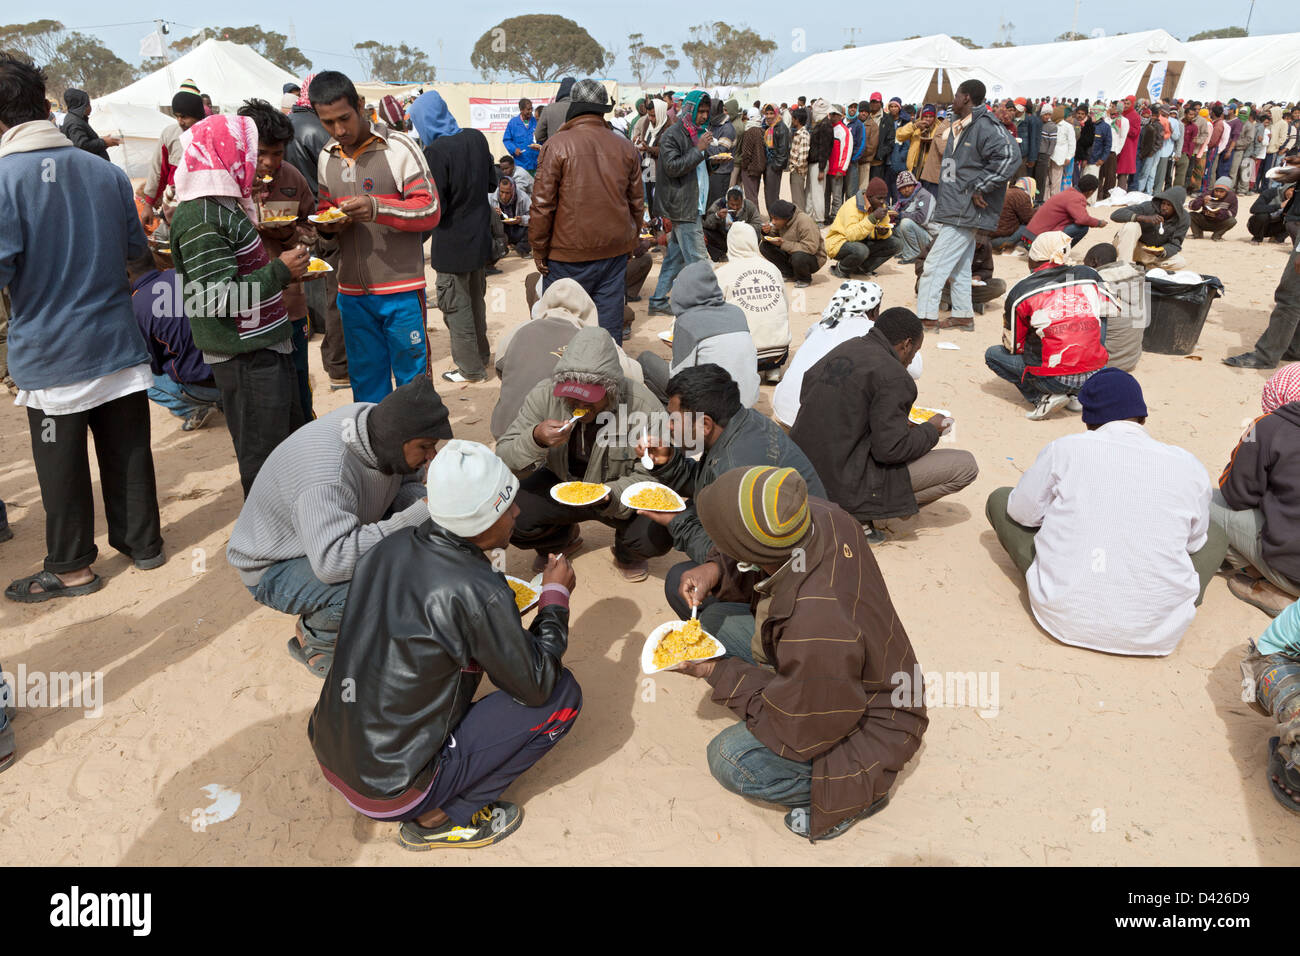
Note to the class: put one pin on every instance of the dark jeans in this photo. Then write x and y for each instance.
(672, 585)
(771, 187)
(718, 183)
(797, 265)
(259, 394)
(323, 308)
(738, 760)
(126, 478)
(1216, 227)
(1281, 340)
(638, 267)
(867, 256)
(301, 368)
(543, 523)
(494, 744)
(1012, 368)
(1023, 235)
(605, 280)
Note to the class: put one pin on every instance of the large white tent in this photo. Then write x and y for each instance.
(138, 126)
(228, 72)
(1103, 68)
(919, 70)
(1252, 69)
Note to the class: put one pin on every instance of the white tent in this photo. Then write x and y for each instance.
(139, 127)
(922, 70)
(228, 72)
(1103, 68)
(1252, 69)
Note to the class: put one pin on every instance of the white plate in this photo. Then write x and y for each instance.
(917, 421)
(666, 336)
(635, 487)
(535, 584)
(327, 222)
(555, 488)
(658, 634)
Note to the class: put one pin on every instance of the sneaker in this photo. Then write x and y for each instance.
(633, 571)
(802, 284)
(492, 824)
(1046, 405)
(772, 376)
(456, 377)
(337, 384)
(836, 271)
(874, 534)
(798, 820)
(198, 418)
(1074, 405)
(1020, 252)
(659, 310)
(1247, 360)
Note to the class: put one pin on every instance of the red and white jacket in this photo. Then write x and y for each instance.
(387, 255)
(1053, 318)
(841, 150)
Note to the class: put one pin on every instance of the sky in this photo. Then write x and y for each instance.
(326, 29)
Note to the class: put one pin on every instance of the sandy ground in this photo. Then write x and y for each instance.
(1087, 759)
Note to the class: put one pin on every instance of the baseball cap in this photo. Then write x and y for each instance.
(582, 391)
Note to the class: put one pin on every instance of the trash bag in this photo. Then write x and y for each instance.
(1177, 313)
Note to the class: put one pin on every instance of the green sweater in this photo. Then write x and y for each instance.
(215, 247)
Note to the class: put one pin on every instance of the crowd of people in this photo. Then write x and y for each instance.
(349, 516)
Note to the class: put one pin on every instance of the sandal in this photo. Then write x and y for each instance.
(314, 654)
(51, 587)
(1277, 767)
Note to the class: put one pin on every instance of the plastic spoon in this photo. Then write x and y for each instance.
(647, 462)
(577, 414)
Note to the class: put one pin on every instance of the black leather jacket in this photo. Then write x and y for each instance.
(309, 139)
(426, 617)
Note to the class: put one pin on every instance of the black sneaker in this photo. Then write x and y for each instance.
(874, 534)
(492, 824)
(798, 821)
(1248, 360)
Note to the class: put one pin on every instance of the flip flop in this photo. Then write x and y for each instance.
(51, 587)
(1277, 768)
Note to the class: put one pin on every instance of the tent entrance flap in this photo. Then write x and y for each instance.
(940, 90)
(1173, 73)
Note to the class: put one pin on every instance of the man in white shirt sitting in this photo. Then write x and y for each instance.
(1111, 529)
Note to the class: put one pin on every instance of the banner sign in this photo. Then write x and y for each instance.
(492, 114)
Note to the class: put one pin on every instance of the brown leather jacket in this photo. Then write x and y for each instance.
(587, 197)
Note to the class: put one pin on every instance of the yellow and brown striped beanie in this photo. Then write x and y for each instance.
(756, 515)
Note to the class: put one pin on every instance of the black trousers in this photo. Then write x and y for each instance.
(638, 267)
(259, 394)
(799, 265)
(715, 244)
(718, 183)
(126, 478)
(1262, 226)
(543, 523)
(673, 587)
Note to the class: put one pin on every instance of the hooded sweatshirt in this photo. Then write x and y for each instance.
(711, 330)
(1264, 473)
(1171, 232)
(321, 494)
(528, 353)
(556, 113)
(751, 282)
(609, 438)
(463, 171)
(77, 127)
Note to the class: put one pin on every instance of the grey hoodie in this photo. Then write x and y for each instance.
(709, 329)
(1172, 232)
(592, 357)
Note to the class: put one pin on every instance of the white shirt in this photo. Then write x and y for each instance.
(817, 344)
(93, 392)
(1120, 514)
(1119, 136)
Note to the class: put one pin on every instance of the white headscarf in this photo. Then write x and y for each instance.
(854, 299)
(1051, 247)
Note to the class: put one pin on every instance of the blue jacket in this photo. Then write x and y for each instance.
(859, 139)
(1101, 140)
(1030, 131)
(518, 136)
(70, 225)
(159, 309)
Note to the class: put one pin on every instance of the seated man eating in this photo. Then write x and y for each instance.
(1153, 232)
(722, 215)
(1111, 529)
(397, 730)
(793, 243)
(853, 423)
(861, 239)
(329, 493)
(705, 413)
(812, 643)
(1051, 338)
(547, 436)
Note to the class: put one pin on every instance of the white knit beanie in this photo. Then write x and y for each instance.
(469, 488)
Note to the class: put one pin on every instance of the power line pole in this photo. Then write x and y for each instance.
(1249, 15)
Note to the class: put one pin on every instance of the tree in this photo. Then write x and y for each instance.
(82, 62)
(967, 42)
(1070, 35)
(383, 61)
(1000, 44)
(723, 55)
(1222, 33)
(39, 39)
(538, 46)
(644, 59)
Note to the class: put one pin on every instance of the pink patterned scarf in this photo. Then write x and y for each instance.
(220, 160)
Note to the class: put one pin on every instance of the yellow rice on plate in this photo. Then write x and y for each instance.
(655, 499)
(688, 643)
(580, 492)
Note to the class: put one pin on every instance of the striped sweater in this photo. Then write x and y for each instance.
(321, 495)
(232, 288)
(386, 255)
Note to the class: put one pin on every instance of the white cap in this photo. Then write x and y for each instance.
(469, 488)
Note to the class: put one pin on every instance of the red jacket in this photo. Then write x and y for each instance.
(1057, 320)
(841, 150)
(1066, 207)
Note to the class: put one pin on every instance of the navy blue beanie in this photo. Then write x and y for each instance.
(1111, 395)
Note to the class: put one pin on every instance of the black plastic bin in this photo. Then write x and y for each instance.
(1178, 312)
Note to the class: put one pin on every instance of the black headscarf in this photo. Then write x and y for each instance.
(77, 101)
(566, 87)
(412, 411)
